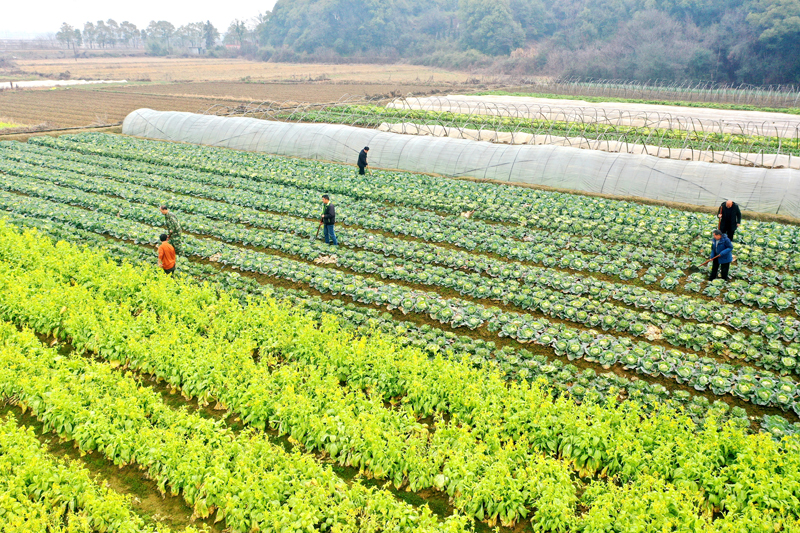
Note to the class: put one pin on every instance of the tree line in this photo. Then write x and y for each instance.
(159, 37)
(728, 41)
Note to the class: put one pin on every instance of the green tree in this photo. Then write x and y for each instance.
(70, 37)
(489, 27)
(210, 34)
(236, 32)
(129, 34)
(159, 36)
(777, 25)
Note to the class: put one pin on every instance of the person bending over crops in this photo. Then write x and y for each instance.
(166, 255)
(362, 160)
(722, 254)
(328, 220)
(173, 228)
(729, 218)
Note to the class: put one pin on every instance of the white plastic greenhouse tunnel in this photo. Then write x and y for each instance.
(762, 190)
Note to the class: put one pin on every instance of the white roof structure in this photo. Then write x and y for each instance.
(692, 182)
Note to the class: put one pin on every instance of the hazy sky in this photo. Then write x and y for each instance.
(28, 18)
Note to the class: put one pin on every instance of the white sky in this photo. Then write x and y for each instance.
(29, 18)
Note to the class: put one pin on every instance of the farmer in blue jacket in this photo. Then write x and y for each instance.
(722, 253)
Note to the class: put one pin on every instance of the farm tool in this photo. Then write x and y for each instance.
(317, 235)
(704, 263)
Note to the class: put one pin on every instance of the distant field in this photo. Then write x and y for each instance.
(86, 106)
(604, 99)
(188, 69)
(296, 92)
(75, 107)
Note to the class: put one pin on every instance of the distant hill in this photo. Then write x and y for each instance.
(732, 41)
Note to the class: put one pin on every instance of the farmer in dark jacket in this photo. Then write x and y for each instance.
(328, 220)
(721, 246)
(729, 218)
(362, 160)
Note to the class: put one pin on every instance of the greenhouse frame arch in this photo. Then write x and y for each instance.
(762, 190)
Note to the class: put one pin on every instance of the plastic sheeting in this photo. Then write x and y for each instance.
(692, 182)
(697, 119)
(607, 145)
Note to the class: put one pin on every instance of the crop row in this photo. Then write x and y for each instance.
(372, 115)
(702, 373)
(547, 250)
(647, 247)
(602, 218)
(293, 398)
(648, 251)
(518, 364)
(593, 438)
(533, 295)
(41, 493)
(773, 325)
(244, 478)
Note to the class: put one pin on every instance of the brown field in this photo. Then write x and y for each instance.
(72, 107)
(197, 84)
(316, 92)
(204, 69)
(93, 105)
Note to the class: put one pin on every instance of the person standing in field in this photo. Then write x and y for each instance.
(722, 253)
(173, 228)
(328, 220)
(166, 255)
(362, 160)
(729, 218)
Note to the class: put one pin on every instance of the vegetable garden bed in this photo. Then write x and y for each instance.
(495, 293)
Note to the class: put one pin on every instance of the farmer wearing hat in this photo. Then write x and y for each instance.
(362, 160)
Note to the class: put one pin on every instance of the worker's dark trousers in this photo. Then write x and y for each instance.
(361, 170)
(716, 268)
(729, 232)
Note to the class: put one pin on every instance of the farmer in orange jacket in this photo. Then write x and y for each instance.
(166, 255)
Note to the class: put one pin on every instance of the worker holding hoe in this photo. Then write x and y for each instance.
(729, 218)
(166, 255)
(362, 160)
(328, 220)
(721, 255)
(173, 228)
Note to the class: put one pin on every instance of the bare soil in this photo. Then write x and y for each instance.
(207, 69)
(310, 92)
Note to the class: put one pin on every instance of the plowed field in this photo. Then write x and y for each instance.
(297, 92)
(75, 107)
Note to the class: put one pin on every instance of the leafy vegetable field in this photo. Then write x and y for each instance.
(547, 363)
